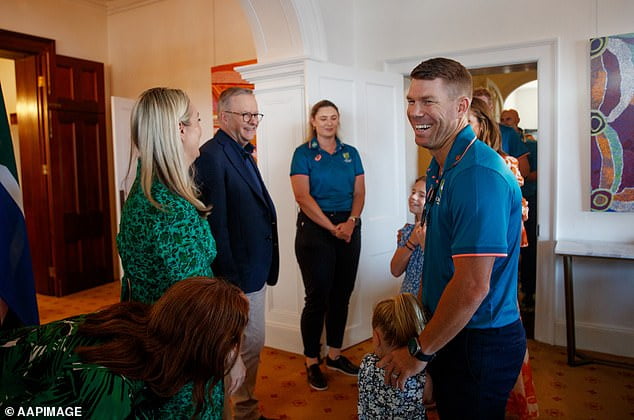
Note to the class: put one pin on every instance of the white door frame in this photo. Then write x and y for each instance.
(545, 54)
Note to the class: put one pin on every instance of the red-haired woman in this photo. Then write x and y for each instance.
(132, 359)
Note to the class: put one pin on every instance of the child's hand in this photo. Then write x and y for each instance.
(418, 234)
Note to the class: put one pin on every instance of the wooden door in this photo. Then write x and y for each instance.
(33, 58)
(33, 158)
(82, 244)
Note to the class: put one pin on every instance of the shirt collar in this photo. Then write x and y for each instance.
(314, 144)
(458, 148)
(248, 148)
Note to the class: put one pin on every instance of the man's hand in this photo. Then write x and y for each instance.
(236, 375)
(399, 366)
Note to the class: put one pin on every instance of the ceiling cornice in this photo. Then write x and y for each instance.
(118, 6)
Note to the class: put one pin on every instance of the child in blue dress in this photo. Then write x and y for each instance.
(394, 322)
(408, 256)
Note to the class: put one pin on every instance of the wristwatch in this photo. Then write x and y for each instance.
(414, 349)
(355, 219)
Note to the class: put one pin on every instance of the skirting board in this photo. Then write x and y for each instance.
(599, 338)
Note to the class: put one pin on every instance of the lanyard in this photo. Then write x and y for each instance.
(432, 192)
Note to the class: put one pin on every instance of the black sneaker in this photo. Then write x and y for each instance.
(316, 378)
(343, 365)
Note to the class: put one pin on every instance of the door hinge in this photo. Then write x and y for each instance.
(44, 169)
(51, 272)
(41, 81)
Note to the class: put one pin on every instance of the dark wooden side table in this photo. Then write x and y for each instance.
(586, 249)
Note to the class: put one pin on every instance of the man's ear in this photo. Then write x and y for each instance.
(222, 116)
(463, 105)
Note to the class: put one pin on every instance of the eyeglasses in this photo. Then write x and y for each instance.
(247, 116)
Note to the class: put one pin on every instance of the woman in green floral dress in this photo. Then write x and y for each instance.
(164, 236)
(131, 360)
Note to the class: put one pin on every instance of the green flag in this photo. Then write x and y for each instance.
(6, 145)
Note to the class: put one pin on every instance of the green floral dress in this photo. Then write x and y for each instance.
(159, 247)
(39, 368)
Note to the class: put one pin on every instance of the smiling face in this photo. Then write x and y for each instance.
(234, 125)
(325, 122)
(191, 132)
(417, 198)
(434, 113)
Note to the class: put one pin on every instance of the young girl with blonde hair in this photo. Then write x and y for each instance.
(394, 322)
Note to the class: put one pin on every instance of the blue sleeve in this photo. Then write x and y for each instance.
(516, 146)
(358, 166)
(479, 213)
(211, 177)
(299, 163)
(406, 232)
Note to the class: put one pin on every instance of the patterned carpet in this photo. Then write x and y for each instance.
(585, 392)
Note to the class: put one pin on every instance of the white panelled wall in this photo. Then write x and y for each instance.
(371, 108)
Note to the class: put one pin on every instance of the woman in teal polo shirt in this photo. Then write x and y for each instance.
(328, 183)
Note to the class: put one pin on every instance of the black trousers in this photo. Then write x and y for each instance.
(329, 268)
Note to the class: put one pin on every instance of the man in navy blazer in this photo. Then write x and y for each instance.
(244, 225)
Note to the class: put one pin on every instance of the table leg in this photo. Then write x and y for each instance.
(575, 358)
(571, 346)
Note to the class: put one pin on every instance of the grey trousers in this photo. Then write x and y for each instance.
(243, 401)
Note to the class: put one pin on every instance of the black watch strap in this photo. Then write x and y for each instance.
(414, 349)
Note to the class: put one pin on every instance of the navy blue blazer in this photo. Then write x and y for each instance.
(242, 219)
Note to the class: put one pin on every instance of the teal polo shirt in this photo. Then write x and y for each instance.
(331, 177)
(512, 142)
(476, 211)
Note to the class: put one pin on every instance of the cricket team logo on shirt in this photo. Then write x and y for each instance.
(346, 157)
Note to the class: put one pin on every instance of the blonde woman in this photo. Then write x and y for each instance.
(394, 322)
(163, 236)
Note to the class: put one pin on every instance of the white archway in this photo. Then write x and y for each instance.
(286, 29)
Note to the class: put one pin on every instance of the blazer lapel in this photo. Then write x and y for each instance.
(238, 162)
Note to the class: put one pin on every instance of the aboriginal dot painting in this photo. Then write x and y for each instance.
(612, 123)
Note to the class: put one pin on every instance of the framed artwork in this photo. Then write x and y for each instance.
(612, 123)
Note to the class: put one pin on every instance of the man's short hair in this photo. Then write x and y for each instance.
(227, 94)
(455, 75)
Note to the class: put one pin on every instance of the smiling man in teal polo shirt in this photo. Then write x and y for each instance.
(473, 216)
